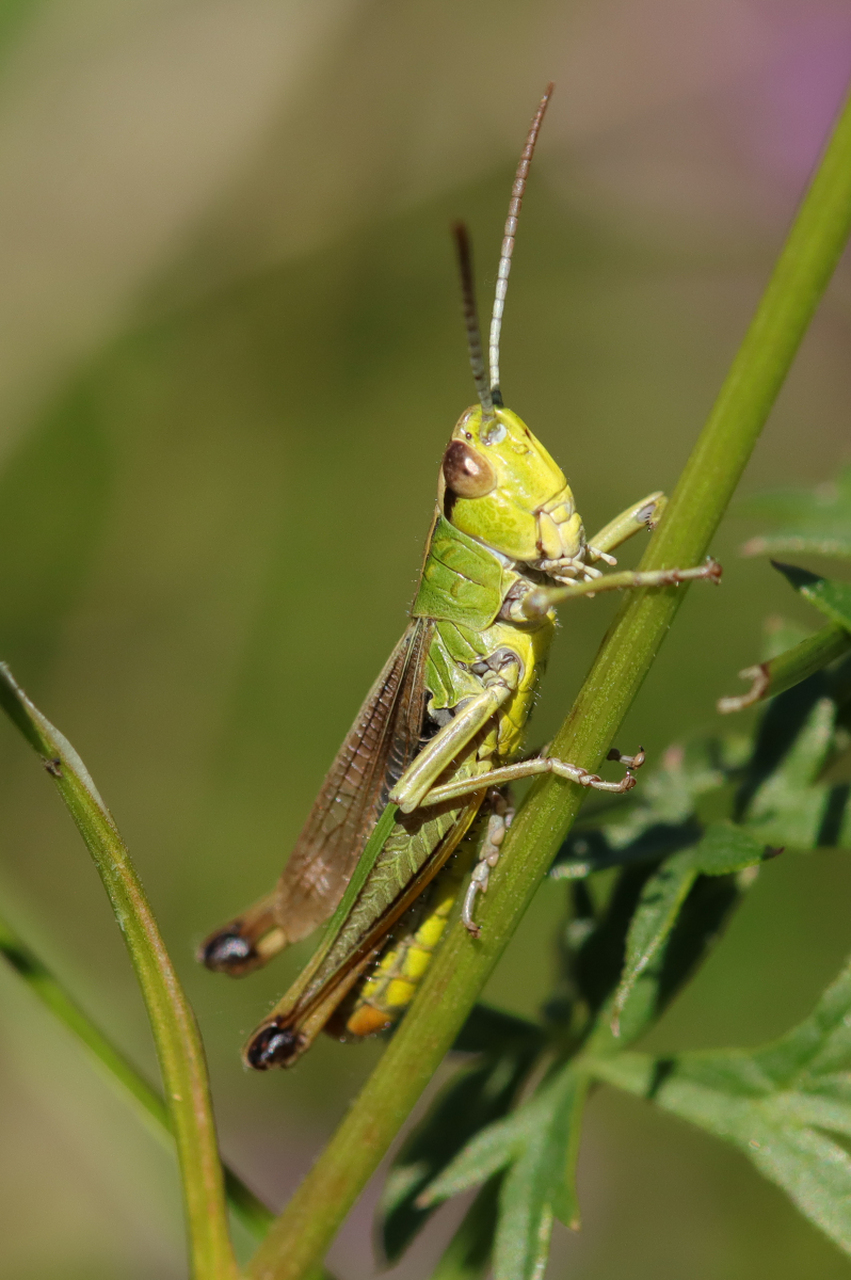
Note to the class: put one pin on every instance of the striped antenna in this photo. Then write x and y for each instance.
(508, 244)
(471, 316)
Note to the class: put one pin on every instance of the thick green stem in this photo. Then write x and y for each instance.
(117, 1069)
(178, 1043)
(301, 1235)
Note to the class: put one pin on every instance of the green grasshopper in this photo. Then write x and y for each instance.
(421, 774)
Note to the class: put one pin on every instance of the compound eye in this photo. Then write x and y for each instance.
(466, 472)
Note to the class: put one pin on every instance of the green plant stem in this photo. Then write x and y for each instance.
(178, 1043)
(789, 668)
(117, 1069)
(301, 1235)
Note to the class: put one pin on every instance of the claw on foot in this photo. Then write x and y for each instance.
(477, 885)
(713, 570)
(631, 762)
(710, 571)
(498, 823)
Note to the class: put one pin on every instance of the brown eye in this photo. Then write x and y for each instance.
(466, 472)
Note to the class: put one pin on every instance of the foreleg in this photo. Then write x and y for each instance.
(641, 515)
(536, 603)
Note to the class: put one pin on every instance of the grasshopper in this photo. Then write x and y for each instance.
(422, 772)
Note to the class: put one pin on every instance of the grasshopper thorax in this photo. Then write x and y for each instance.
(498, 484)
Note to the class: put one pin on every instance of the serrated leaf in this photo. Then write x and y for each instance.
(778, 732)
(723, 850)
(540, 1184)
(470, 1103)
(791, 806)
(658, 908)
(468, 1254)
(598, 963)
(813, 1170)
(818, 1047)
(737, 796)
(773, 1103)
(488, 1152)
(537, 1146)
(815, 521)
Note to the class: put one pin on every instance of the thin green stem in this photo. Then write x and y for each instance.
(789, 668)
(116, 1068)
(302, 1233)
(178, 1043)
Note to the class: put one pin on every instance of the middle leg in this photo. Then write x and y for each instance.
(534, 768)
(501, 815)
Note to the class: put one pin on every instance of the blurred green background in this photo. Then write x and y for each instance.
(230, 357)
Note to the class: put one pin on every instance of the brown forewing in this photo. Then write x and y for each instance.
(380, 745)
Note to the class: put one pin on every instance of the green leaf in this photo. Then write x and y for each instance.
(773, 1103)
(813, 1170)
(467, 1105)
(178, 1043)
(815, 521)
(490, 1150)
(776, 785)
(724, 849)
(820, 522)
(537, 1146)
(662, 816)
(468, 1254)
(701, 921)
(713, 808)
(540, 1184)
(658, 907)
(491, 1030)
(833, 599)
(818, 1047)
(791, 806)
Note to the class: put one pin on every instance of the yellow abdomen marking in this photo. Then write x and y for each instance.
(392, 986)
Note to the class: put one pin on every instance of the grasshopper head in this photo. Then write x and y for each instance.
(499, 484)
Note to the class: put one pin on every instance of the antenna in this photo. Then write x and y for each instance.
(471, 316)
(508, 244)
